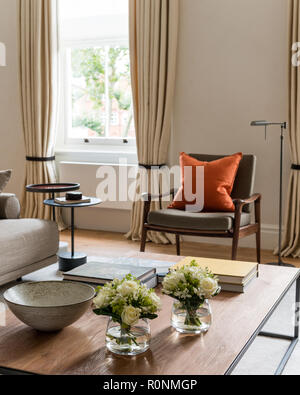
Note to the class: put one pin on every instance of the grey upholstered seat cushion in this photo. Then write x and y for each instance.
(26, 241)
(195, 221)
(9, 206)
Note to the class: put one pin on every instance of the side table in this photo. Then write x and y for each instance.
(70, 260)
(52, 189)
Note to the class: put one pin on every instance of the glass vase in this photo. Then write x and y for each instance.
(192, 321)
(128, 341)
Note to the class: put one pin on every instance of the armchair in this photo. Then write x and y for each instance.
(235, 225)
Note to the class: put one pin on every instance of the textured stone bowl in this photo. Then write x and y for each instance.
(49, 306)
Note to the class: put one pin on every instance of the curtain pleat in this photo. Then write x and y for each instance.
(291, 242)
(38, 48)
(153, 49)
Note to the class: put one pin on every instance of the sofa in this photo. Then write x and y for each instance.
(26, 245)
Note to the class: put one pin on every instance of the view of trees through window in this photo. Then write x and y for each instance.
(101, 93)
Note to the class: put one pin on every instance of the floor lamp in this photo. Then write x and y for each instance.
(283, 127)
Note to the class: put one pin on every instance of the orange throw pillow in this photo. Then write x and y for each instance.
(219, 177)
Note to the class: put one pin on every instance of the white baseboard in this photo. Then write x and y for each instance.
(269, 239)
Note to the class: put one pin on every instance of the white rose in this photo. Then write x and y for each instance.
(130, 315)
(209, 286)
(102, 300)
(127, 288)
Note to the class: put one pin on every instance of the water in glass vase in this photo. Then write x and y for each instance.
(130, 342)
(192, 321)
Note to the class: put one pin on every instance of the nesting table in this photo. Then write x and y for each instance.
(52, 189)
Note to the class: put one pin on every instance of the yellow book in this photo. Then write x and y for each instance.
(231, 272)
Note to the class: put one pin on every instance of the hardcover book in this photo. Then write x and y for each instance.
(63, 200)
(101, 272)
(228, 272)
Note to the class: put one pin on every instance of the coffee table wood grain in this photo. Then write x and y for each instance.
(80, 349)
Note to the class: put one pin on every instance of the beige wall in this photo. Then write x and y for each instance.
(12, 145)
(232, 68)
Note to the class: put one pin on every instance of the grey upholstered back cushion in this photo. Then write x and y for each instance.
(245, 178)
(9, 206)
(4, 178)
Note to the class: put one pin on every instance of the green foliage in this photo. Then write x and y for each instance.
(89, 64)
(90, 123)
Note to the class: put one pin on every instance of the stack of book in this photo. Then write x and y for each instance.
(100, 273)
(105, 269)
(233, 276)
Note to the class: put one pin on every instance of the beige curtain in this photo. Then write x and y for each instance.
(291, 243)
(153, 47)
(39, 96)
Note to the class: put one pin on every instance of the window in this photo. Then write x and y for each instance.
(97, 87)
(101, 91)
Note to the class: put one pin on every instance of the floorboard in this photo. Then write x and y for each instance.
(98, 243)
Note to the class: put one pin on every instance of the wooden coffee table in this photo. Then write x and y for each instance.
(80, 349)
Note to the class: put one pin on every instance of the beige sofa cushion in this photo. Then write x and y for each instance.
(9, 206)
(4, 178)
(26, 241)
(196, 221)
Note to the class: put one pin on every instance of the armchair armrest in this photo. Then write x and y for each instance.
(240, 203)
(9, 206)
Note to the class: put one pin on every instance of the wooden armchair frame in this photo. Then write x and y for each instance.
(235, 234)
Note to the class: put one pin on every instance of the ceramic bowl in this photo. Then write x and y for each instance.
(49, 306)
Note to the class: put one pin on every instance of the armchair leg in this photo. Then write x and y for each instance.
(258, 246)
(236, 232)
(235, 244)
(178, 245)
(258, 233)
(144, 239)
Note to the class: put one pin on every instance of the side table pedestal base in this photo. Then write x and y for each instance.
(68, 262)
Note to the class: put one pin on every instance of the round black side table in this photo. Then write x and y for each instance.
(52, 189)
(70, 260)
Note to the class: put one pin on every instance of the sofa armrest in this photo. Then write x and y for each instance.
(9, 206)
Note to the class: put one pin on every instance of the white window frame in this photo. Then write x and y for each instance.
(123, 146)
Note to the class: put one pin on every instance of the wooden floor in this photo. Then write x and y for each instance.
(96, 243)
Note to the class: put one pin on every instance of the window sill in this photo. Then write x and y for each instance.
(109, 155)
